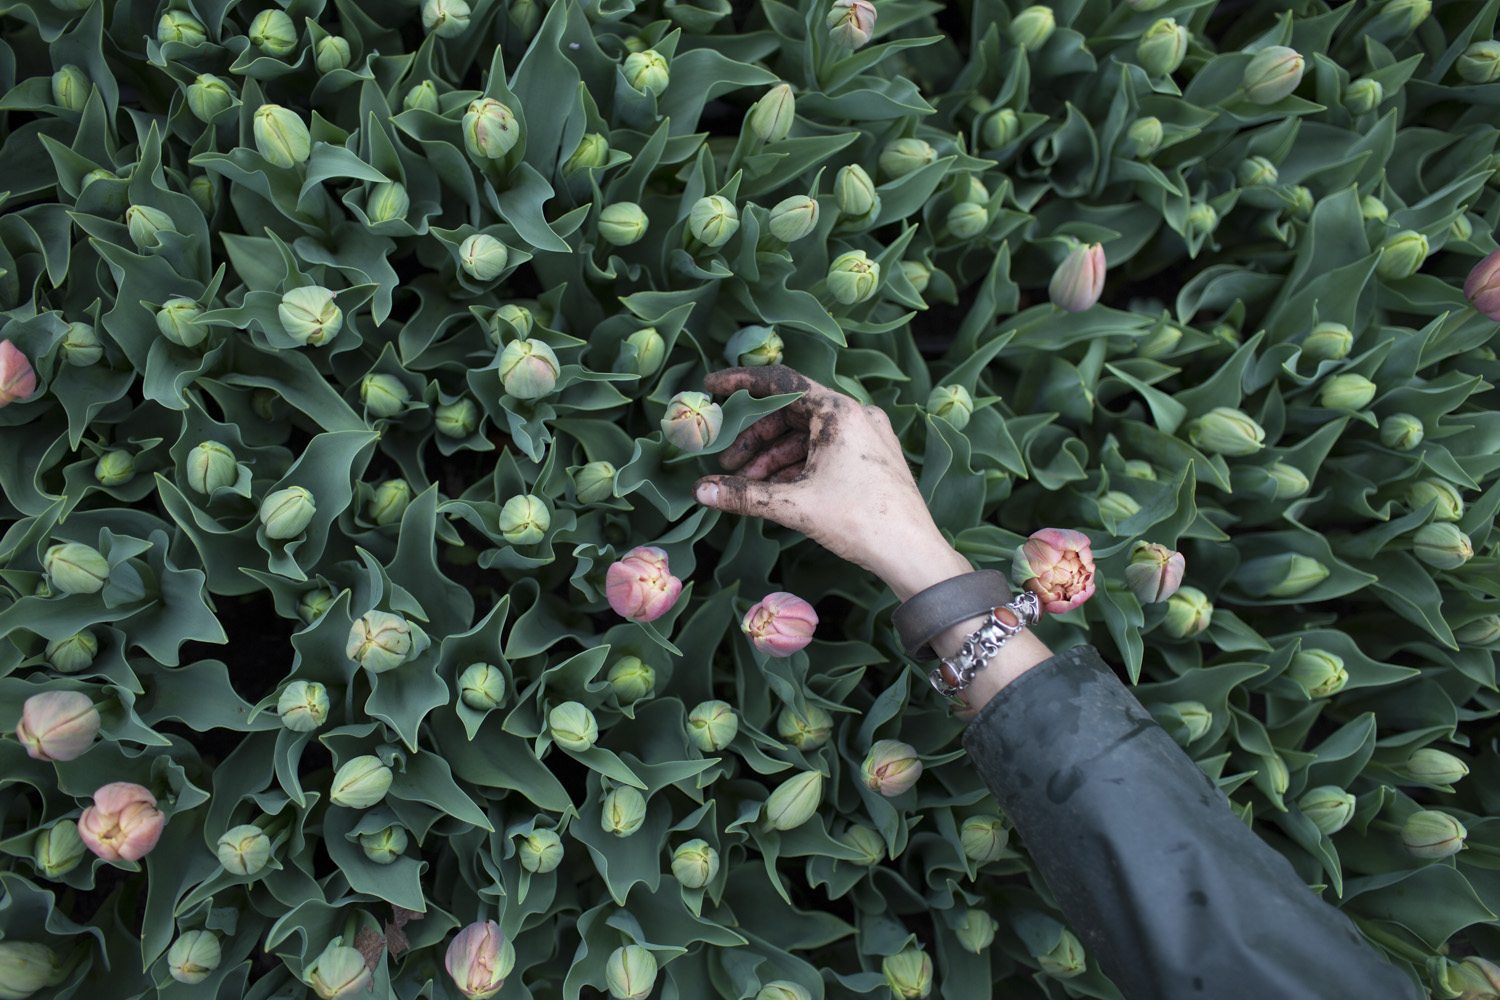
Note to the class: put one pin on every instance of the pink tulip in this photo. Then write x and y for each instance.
(123, 824)
(1154, 573)
(1058, 566)
(851, 22)
(58, 725)
(17, 377)
(1483, 286)
(1079, 279)
(891, 767)
(478, 960)
(640, 586)
(780, 624)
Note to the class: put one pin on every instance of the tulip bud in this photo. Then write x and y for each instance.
(1000, 128)
(1079, 280)
(540, 851)
(623, 811)
(771, 117)
(1189, 612)
(483, 257)
(951, 403)
(481, 686)
(1347, 392)
(780, 624)
(594, 482)
(918, 275)
(1328, 806)
(58, 849)
(851, 23)
(313, 603)
(1195, 716)
(72, 654)
(17, 376)
(866, 842)
(1448, 504)
(528, 369)
(123, 823)
(57, 725)
(891, 767)
(1226, 431)
(524, 519)
(1318, 672)
(478, 959)
(388, 202)
(1058, 566)
(194, 956)
(903, 156)
(630, 973)
(805, 731)
(1480, 62)
(201, 189)
(383, 395)
(281, 136)
(211, 465)
(80, 348)
(976, 931)
(783, 989)
(754, 345)
(360, 783)
(1155, 572)
(647, 71)
(1480, 632)
(1429, 766)
(853, 277)
(302, 706)
(622, 223)
(1162, 47)
(1301, 201)
(309, 315)
(379, 641)
(339, 973)
(692, 421)
(1401, 17)
(572, 726)
(966, 220)
(592, 151)
(713, 220)
(1066, 959)
(908, 973)
(1442, 546)
(146, 224)
(457, 419)
(712, 726)
(1328, 342)
(1430, 835)
(384, 846)
(422, 97)
(640, 585)
(1401, 255)
(445, 18)
(180, 26)
(642, 352)
(177, 320)
(983, 838)
(695, 864)
(490, 129)
(1201, 219)
(854, 191)
(1257, 171)
(388, 502)
(244, 850)
(1272, 74)
(1481, 287)
(1363, 96)
(331, 53)
(1287, 481)
(273, 32)
(1137, 468)
(75, 568)
(793, 218)
(1294, 573)
(114, 468)
(286, 513)
(26, 967)
(1371, 209)
(631, 679)
(70, 88)
(1115, 505)
(1031, 28)
(795, 800)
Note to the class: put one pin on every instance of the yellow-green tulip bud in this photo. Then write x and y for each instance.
(622, 812)
(211, 465)
(286, 513)
(490, 129)
(524, 519)
(273, 32)
(1202, 219)
(771, 117)
(1328, 806)
(1189, 611)
(1430, 835)
(853, 277)
(1442, 546)
(177, 320)
(1146, 134)
(1461, 229)
(1363, 96)
(642, 353)
(1139, 468)
(692, 421)
(360, 783)
(72, 654)
(80, 345)
(389, 501)
(1430, 766)
(695, 864)
(647, 71)
(1401, 255)
(866, 843)
(422, 97)
(180, 26)
(540, 851)
(114, 468)
(793, 218)
(194, 956)
(1480, 62)
(483, 257)
(1162, 47)
(1031, 28)
(481, 686)
(1272, 74)
(1448, 504)
(794, 801)
(310, 315)
(1295, 573)
(379, 641)
(384, 846)
(1196, 718)
(146, 224)
(70, 88)
(713, 220)
(976, 931)
(592, 152)
(630, 973)
(201, 189)
(1347, 392)
(908, 973)
(58, 849)
(383, 395)
(1118, 506)
(75, 568)
(331, 53)
(528, 369)
(1372, 209)
(632, 679)
(512, 318)
(903, 156)
(1288, 481)
(951, 403)
(1401, 17)
(783, 989)
(1318, 672)
(457, 419)
(1066, 959)
(339, 973)
(712, 726)
(983, 838)
(804, 730)
(572, 726)
(967, 220)
(1480, 632)
(244, 850)
(753, 346)
(1257, 171)
(314, 603)
(854, 191)
(918, 275)
(1000, 128)
(445, 18)
(1328, 342)
(281, 136)
(388, 202)
(26, 967)
(622, 223)
(1227, 431)
(594, 482)
(302, 706)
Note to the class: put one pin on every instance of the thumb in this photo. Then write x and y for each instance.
(750, 498)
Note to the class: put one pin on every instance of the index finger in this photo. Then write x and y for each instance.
(765, 380)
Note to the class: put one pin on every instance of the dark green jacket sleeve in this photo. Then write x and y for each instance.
(1168, 890)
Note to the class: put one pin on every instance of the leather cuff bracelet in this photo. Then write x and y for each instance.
(931, 612)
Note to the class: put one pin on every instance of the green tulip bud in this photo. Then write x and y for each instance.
(490, 129)
(1288, 481)
(1295, 573)
(114, 468)
(384, 846)
(1227, 431)
(1318, 672)
(1328, 342)
(146, 224)
(1448, 504)
(540, 851)
(1372, 209)
(457, 419)
(361, 783)
(983, 838)
(310, 315)
(314, 603)
(70, 88)
(976, 930)
(389, 501)
(383, 395)
(908, 973)
(331, 53)
(866, 842)
(1147, 134)
(26, 967)
(1461, 229)
(201, 190)
(1189, 612)
(75, 568)
(57, 849)
(804, 730)
(712, 726)
(72, 654)
(631, 679)
(623, 811)
(380, 641)
(1401, 255)
(1162, 341)
(1347, 392)
(793, 218)
(642, 353)
(853, 277)
(286, 513)
(1480, 632)
(281, 136)
(1328, 806)
(1272, 74)
(388, 202)
(445, 18)
(1363, 96)
(483, 257)
(854, 192)
(422, 97)
(211, 465)
(1202, 219)
(339, 973)
(754, 346)
(783, 989)
(918, 275)
(622, 223)
(481, 686)
(647, 71)
(967, 220)
(1480, 62)
(1401, 17)
(594, 482)
(1442, 546)
(273, 32)
(1429, 766)
(1031, 28)
(1117, 506)
(572, 726)
(194, 956)
(1066, 959)
(524, 519)
(180, 26)
(903, 156)
(794, 801)
(1430, 835)
(511, 318)
(244, 850)
(630, 973)
(1257, 171)
(1138, 468)
(1162, 47)
(771, 117)
(592, 152)
(1195, 716)
(80, 345)
(302, 706)
(1000, 128)
(1301, 201)
(713, 220)
(177, 320)
(695, 864)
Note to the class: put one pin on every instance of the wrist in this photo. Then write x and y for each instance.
(920, 564)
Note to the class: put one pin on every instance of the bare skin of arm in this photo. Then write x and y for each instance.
(833, 469)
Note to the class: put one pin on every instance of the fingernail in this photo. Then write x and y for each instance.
(708, 494)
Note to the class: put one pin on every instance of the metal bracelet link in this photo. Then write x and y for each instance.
(981, 645)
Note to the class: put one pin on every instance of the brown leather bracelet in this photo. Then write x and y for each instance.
(929, 613)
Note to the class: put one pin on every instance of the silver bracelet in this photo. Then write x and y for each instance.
(957, 672)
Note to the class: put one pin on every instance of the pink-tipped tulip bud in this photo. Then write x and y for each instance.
(58, 725)
(692, 420)
(1079, 279)
(123, 824)
(1058, 566)
(17, 377)
(891, 767)
(479, 959)
(1482, 288)
(640, 586)
(1155, 572)
(851, 22)
(780, 624)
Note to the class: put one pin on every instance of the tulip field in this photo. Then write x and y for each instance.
(360, 635)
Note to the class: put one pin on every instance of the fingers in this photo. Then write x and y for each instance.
(752, 439)
(778, 455)
(790, 474)
(763, 380)
(747, 497)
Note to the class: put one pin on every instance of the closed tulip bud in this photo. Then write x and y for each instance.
(384, 846)
(339, 973)
(1363, 96)
(1328, 806)
(642, 353)
(146, 224)
(771, 117)
(692, 421)
(389, 501)
(1227, 431)
(481, 687)
(422, 97)
(1318, 672)
(866, 842)
(967, 220)
(1480, 632)
(528, 369)
(976, 930)
(780, 624)
(180, 26)
(310, 315)
(712, 726)
(592, 151)
(713, 220)
(75, 568)
(72, 654)
(1448, 504)
(1066, 959)
(1000, 128)
(57, 725)
(1154, 572)
(388, 202)
(211, 465)
(1347, 392)
(804, 730)
(114, 468)
(630, 973)
(123, 823)
(903, 156)
(854, 191)
(26, 967)
(1482, 287)
(478, 959)
(622, 223)
(58, 849)
(622, 812)
(1480, 62)
(177, 320)
(853, 277)
(1162, 341)
(1195, 716)
(1442, 546)
(754, 345)
(445, 18)
(891, 767)
(1057, 564)
(918, 275)
(281, 136)
(1301, 201)
(1202, 219)
(983, 838)
(1402, 16)
(331, 53)
(1117, 506)
(572, 726)
(540, 851)
(1272, 74)
(695, 864)
(594, 482)
(511, 318)
(1079, 280)
(273, 32)
(908, 973)
(314, 603)
(1031, 28)
(1461, 229)
(1138, 468)
(951, 403)
(631, 679)
(379, 641)
(647, 71)
(640, 585)
(1162, 47)
(1372, 209)
(1146, 134)
(1189, 612)
(783, 989)
(1257, 171)
(286, 513)
(1287, 481)
(490, 129)
(201, 190)
(360, 783)
(1401, 255)
(851, 23)
(80, 348)
(17, 376)
(1476, 979)
(302, 706)
(1430, 835)
(483, 257)
(70, 88)
(793, 218)
(795, 800)
(1295, 574)
(457, 419)
(383, 395)
(524, 519)
(1429, 766)
(244, 850)
(1328, 342)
